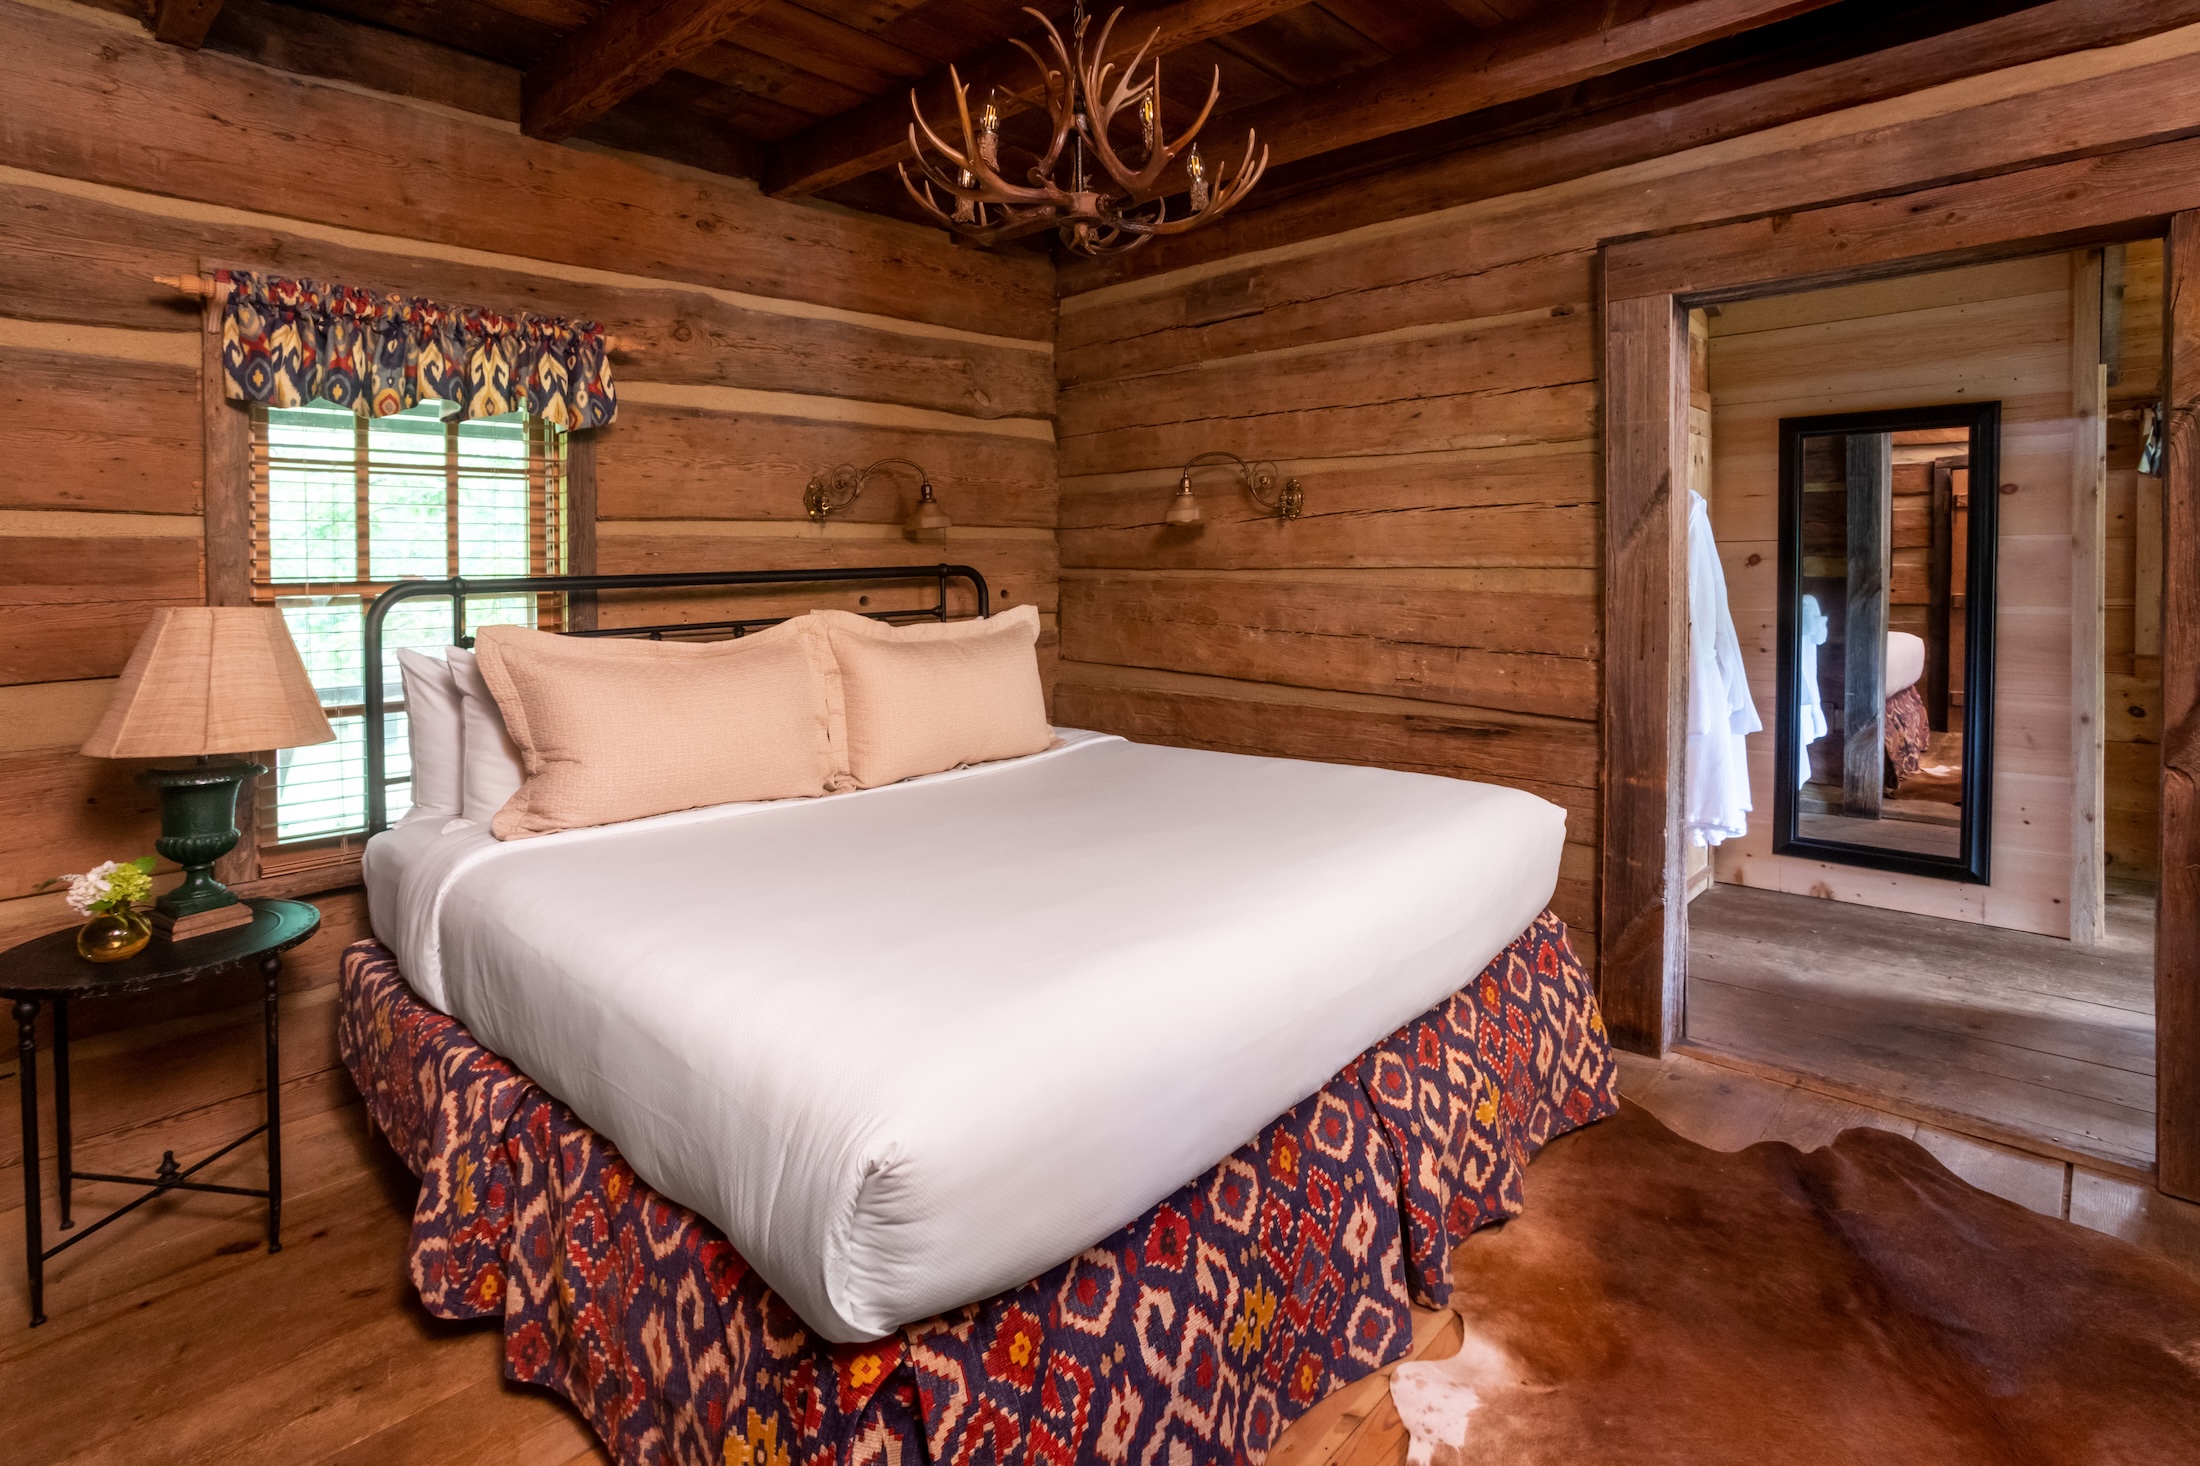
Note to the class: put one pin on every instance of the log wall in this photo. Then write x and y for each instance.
(762, 341)
(1434, 383)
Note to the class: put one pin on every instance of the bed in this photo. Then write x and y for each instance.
(1113, 1099)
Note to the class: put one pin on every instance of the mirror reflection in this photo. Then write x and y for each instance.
(1886, 686)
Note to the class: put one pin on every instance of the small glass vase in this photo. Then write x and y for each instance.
(112, 936)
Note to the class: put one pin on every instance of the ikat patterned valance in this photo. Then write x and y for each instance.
(286, 342)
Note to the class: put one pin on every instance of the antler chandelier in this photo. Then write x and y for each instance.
(1085, 97)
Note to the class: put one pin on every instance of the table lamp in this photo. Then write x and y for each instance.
(205, 681)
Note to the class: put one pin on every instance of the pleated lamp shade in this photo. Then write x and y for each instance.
(207, 680)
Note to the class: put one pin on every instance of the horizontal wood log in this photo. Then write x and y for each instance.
(672, 120)
(87, 102)
(79, 432)
(1521, 653)
(92, 260)
(63, 641)
(1517, 355)
(627, 46)
(64, 812)
(919, 593)
(1505, 748)
(1025, 567)
(73, 606)
(1302, 302)
(1468, 509)
(1633, 135)
(1493, 419)
(876, 134)
(316, 43)
(2026, 211)
(676, 463)
(66, 568)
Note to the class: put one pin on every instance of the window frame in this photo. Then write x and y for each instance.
(549, 512)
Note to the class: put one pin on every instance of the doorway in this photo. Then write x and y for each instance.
(2013, 999)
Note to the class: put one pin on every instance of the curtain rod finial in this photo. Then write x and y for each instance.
(202, 286)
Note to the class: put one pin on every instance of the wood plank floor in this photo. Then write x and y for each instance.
(1989, 1031)
(175, 1338)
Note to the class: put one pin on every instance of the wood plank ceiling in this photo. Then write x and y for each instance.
(811, 97)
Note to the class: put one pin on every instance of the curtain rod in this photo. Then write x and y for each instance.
(206, 287)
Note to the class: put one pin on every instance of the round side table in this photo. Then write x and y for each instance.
(48, 970)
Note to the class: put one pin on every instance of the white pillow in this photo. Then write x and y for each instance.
(433, 720)
(494, 770)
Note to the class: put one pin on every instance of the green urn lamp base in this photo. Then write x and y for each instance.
(198, 826)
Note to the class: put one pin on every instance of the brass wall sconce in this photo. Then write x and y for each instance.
(833, 490)
(1263, 484)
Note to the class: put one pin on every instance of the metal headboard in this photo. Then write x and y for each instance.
(459, 588)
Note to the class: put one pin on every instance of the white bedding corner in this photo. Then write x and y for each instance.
(911, 1046)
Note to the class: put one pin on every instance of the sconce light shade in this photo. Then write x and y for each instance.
(1184, 506)
(833, 490)
(1284, 499)
(928, 522)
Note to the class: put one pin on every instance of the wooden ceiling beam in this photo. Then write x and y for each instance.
(1488, 71)
(876, 134)
(184, 22)
(1649, 128)
(631, 44)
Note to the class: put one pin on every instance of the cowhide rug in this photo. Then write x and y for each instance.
(1664, 1303)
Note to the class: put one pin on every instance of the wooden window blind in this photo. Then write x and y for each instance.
(344, 507)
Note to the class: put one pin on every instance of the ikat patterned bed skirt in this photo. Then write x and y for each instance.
(1195, 1334)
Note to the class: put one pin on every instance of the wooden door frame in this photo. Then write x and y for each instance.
(1647, 286)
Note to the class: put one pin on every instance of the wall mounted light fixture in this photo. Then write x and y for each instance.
(834, 490)
(1263, 484)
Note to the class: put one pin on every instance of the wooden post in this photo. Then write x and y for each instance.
(2088, 607)
(581, 610)
(225, 498)
(1870, 459)
(1940, 584)
(2177, 917)
(1643, 927)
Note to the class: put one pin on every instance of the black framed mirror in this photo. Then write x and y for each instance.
(1884, 735)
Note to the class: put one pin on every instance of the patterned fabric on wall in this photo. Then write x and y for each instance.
(1193, 1335)
(286, 342)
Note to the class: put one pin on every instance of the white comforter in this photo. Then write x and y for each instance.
(912, 1046)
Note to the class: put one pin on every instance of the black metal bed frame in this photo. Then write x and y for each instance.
(461, 588)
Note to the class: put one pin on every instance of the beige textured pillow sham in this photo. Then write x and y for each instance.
(919, 699)
(619, 730)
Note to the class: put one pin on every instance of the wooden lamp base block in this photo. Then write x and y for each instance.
(199, 923)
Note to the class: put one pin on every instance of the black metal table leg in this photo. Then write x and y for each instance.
(34, 1240)
(65, 1162)
(272, 971)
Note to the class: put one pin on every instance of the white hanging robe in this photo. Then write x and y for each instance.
(1810, 710)
(1721, 712)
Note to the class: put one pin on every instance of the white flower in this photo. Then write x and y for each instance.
(90, 887)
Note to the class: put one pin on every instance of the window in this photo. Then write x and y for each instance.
(343, 507)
